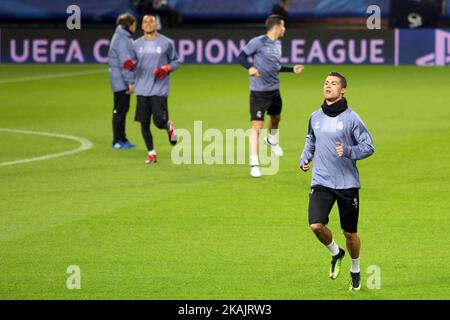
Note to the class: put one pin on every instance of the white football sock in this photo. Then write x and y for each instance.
(355, 266)
(254, 160)
(272, 138)
(152, 152)
(333, 248)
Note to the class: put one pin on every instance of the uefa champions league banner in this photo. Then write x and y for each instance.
(54, 45)
(299, 46)
(196, 46)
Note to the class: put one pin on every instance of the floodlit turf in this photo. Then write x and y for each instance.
(210, 231)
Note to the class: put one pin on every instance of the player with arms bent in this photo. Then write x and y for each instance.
(156, 59)
(336, 139)
(265, 85)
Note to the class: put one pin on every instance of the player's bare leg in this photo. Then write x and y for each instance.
(322, 233)
(274, 122)
(326, 237)
(254, 147)
(353, 243)
(272, 137)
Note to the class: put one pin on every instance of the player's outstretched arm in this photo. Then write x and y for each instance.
(298, 68)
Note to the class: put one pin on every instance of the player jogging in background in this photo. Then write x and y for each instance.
(155, 58)
(336, 139)
(264, 86)
(122, 81)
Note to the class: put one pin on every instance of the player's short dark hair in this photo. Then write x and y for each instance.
(340, 76)
(126, 20)
(272, 21)
(149, 15)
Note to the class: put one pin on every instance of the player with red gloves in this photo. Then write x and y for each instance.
(130, 64)
(155, 58)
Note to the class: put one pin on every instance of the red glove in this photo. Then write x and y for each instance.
(162, 72)
(130, 64)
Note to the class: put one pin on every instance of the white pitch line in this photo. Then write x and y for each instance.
(52, 76)
(85, 145)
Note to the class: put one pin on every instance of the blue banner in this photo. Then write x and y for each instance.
(423, 47)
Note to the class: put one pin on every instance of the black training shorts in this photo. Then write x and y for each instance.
(148, 106)
(322, 199)
(264, 101)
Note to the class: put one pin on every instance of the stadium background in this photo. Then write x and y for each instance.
(210, 232)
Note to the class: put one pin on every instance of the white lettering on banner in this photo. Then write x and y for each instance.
(74, 52)
(215, 45)
(96, 51)
(297, 52)
(335, 51)
(213, 51)
(25, 51)
(352, 51)
(40, 50)
(340, 52)
(44, 51)
(316, 52)
(185, 48)
(376, 51)
(57, 48)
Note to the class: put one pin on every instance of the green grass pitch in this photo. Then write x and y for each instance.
(210, 231)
